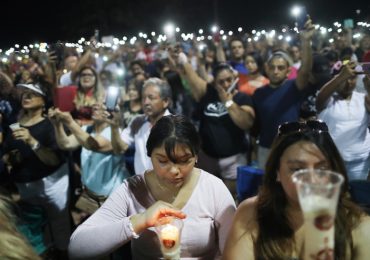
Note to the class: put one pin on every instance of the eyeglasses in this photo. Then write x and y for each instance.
(87, 75)
(309, 125)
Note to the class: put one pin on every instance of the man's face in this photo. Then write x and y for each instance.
(153, 104)
(136, 69)
(277, 70)
(237, 50)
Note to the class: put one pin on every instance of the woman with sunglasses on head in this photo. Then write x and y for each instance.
(347, 114)
(270, 225)
(36, 164)
(224, 114)
(89, 92)
(174, 187)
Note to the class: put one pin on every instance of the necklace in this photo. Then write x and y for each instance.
(166, 190)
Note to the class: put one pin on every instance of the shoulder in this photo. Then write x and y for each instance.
(361, 238)
(247, 211)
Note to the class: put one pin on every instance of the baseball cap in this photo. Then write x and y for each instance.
(34, 87)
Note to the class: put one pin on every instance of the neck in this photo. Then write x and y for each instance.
(254, 75)
(33, 113)
(154, 119)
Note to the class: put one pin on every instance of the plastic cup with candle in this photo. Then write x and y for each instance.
(168, 230)
(14, 126)
(318, 193)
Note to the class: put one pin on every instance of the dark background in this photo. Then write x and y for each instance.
(27, 22)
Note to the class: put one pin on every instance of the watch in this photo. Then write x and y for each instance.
(35, 146)
(229, 103)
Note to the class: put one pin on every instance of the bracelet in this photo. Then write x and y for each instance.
(134, 234)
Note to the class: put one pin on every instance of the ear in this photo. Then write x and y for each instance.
(289, 70)
(166, 102)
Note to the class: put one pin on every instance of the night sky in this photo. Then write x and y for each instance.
(26, 22)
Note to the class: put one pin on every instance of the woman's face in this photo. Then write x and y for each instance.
(251, 64)
(224, 79)
(87, 79)
(173, 174)
(348, 87)
(133, 94)
(32, 100)
(301, 155)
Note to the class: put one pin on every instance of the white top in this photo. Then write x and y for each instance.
(210, 210)
(348, 123)
(66, 80)
(142, 161)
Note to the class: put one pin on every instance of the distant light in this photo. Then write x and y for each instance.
(169, 28)
(249, 39)
(222, 32)
(177, 29)
(255, 38)
(96, 55)
(283, 30)
(200, 31)
(224, 37)
(153, 33)
(201, 46)
(105, 58)
(339, 30)
(296, 10)
(331, 40)
(17, 46)
(280, 37)
(358, 11)
(330, 29)
(240, 29)
(214, 28)
(253, 31)
(120, 72)
(140, 34)
(230, 33)
(209, 37)
(288, 38)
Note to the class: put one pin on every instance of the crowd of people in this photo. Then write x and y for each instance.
(120, 137)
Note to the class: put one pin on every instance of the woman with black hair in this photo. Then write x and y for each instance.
(270, 225)
(173, 188)
(225, 114)
(255, 78)
(37, 165)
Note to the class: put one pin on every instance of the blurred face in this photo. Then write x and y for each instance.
(173, 174)
(295, 53)
(136, 69)
(210, 56)
(277, 70)
(32, 100)
(70, 62)
(224, 79)
(133, 94)
(347, 87)
(87, 79)
(237, 50)
(301, 155)
(153, 105)
(251, 64)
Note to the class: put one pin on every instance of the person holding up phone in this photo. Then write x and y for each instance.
(346, 112)
(225, 114)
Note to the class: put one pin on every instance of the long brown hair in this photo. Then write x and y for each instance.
(81, 99)
(275, 239)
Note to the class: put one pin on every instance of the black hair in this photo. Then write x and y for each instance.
(170, 131)
(236, 39)
(220, 67)
(257, 58)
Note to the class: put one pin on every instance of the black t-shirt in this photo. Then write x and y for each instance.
(221, 137)
(27, 167)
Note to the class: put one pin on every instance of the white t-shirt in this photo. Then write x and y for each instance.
(348, 123)
(66, 80)
(142, 161)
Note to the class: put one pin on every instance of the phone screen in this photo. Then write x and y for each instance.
(112, 97)
(302, 18)
(365, 67)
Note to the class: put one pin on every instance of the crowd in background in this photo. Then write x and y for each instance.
(68, 145)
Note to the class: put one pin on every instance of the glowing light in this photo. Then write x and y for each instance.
(331, 40)
(120, 72)
(153, 33)
(209, 37)
(230, 33)
(296, 10)
(224, 37)
(177, 29)
(240, 29)
(288, 38)
(253, 31)
(96, 55)
(17, 46)
(169, 28)
(222, 32)
(148, 41)
(214, 28)
(105, 58)
(200, 31)
(280, 37)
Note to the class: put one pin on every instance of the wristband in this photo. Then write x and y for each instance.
(229, 103)
(134, 234)
(36, 146)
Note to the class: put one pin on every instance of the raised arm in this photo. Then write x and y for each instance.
(83, 61)
(306, 65)
(334, 84)
(220, 54)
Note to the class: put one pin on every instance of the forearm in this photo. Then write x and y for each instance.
(47, 155)
(306, 65)
(220, 54)
(81, 63)
(242, 118)
(118, 145)
(64, 142)
(83, 138)
(327, 91)
(198, 86)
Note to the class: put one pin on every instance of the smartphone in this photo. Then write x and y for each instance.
(302, 18)
(112, 97)
(365, 67)
(233, 86)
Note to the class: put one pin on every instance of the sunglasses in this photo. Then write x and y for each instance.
(309, 125)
